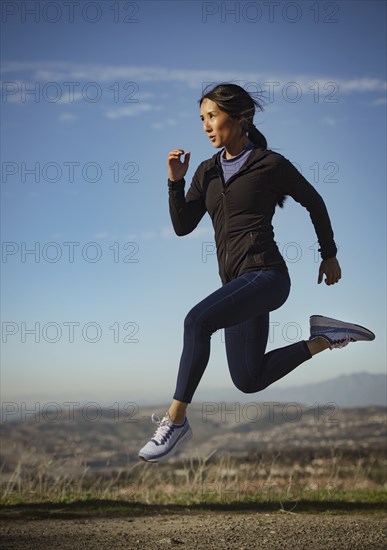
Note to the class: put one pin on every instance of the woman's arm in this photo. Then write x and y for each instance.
(186, 210)
(291, 182)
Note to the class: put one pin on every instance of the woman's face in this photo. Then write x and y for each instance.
(221, 129)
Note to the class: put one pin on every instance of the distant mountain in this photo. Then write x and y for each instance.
(348, 390)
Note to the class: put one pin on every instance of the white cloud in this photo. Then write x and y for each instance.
(69, 97)
(130, 110)
(149, 235)
(185, 114)
(28, 91)
(198, 233)
(63, 71)
(131, 237)
(147, 95)
(329, 120)
(67, 117)
(167, 232)
(362, 85)
(162, 124)
(380, 101)
(44, 74)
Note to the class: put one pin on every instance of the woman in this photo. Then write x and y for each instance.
(240, 187)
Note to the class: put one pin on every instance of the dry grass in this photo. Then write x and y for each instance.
(222, 478)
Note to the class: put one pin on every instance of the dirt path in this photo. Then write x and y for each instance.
(200, 531)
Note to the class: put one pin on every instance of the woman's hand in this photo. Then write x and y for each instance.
(177, 169)
(331, 268)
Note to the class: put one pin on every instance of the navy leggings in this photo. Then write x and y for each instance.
(242, 308)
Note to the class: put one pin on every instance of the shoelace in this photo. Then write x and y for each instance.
(340, 344)
(343, 341)
(164, 426)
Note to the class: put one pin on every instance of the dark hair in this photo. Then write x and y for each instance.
(239, 104)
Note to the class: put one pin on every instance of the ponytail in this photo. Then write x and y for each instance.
(259, 139)
(256, 137)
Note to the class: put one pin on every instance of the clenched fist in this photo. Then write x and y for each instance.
(177, 169)
(331, 268)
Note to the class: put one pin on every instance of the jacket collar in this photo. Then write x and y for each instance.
(256, 154)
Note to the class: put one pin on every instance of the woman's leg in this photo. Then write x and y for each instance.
(241, 307)
(244, 298)
(317, 344)
(177, 411)
(252, 369)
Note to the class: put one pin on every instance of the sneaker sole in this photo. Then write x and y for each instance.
(320, 321)
(186, 437)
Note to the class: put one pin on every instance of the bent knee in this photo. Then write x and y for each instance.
(248, 386)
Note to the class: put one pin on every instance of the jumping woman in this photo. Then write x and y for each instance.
(240, 186)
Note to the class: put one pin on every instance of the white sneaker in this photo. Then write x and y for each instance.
(166, 439)
(338, 333)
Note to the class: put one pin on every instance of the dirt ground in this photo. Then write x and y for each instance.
(198, 531)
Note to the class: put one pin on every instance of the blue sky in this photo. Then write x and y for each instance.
(92, 101)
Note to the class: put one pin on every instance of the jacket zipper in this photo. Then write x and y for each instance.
(225, 216)
(224, 200)
(225, 228)
(252, 245)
